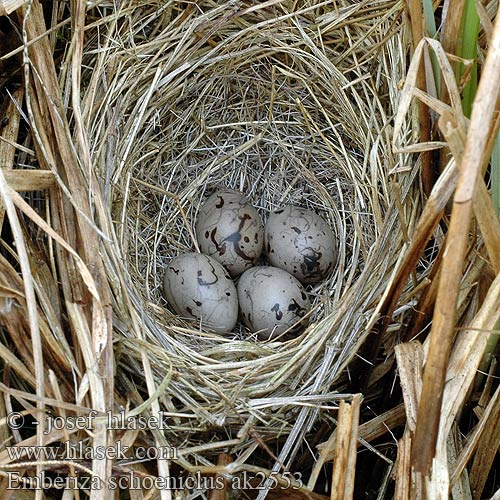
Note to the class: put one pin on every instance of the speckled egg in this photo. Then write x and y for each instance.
(197, 286)
(300, 242)
(230, 230)
(271, 301)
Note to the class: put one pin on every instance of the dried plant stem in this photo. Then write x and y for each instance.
(29, 180)
(456, 244)
(346, 449)
(222, 493)
(9, 136)
(9, 6)
(89, 316)
(418, 32)
(32, 311)
(409, 358)
(481, 432)
(487, 446)
(368, 431)
(482, 203)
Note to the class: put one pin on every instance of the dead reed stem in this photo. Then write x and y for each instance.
(9, 136)
(445, 312)
(346, 449)
(428, 174)
(92, 334)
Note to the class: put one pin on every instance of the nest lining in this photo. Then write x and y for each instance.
(275, 161)
(270, 103)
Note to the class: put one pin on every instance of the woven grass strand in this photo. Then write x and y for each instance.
(268, 101)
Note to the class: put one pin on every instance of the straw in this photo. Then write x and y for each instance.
(148, 110)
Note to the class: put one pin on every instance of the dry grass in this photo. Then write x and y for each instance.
(144, 112)
(271, 103)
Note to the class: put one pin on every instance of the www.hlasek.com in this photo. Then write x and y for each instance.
(129, 481)
(78, 450)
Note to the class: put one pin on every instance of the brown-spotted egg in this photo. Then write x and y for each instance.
(300, 242)
(230, 230)
(271, 301)
(197, 286)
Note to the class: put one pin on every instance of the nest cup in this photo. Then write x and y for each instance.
(273, 104)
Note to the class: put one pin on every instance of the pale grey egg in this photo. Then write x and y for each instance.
(300, 242)
(271, 301)
(230, 230)
(197, 286)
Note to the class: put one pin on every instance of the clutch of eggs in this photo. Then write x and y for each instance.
(197, 286)
(271, 301)
(230, 230)
(300, 242)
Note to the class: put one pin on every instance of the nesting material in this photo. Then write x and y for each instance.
(130, 116)
(289, 106)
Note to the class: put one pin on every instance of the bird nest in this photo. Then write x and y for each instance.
(290, 105)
